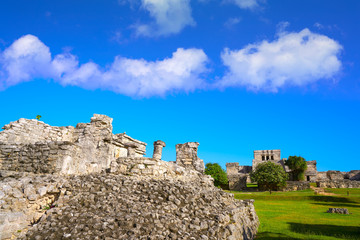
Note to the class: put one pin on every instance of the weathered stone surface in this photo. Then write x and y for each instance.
(186, 156)
(158, 146)
(86, 183)
(354, 175)
(33, 146)
(266, 155)
(338, 184)
(311, 171)
(117, 206)
(338, 210)
(237, 182)
(296, 186)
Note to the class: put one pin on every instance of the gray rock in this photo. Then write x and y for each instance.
(338, 210)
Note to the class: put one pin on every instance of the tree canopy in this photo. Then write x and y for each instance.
(298, 166)
(269, 176)
(216, 172)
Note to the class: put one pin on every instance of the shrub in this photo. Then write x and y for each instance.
(269, 176)
(218, 174)
(297, 166)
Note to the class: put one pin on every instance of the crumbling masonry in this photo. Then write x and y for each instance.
(33, 146)
(101, 185)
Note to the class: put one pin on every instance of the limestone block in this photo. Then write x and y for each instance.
(186, 155)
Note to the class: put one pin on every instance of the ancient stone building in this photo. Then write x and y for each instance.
(54, 181)
(238, 175)
(33, 146)
(266, 155)
(311, 171)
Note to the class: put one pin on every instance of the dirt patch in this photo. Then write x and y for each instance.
(321, 191)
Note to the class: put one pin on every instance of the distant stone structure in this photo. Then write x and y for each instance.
(266, 155)
(238, 175)
(311, 171)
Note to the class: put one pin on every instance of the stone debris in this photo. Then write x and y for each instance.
(87, 183)
(338, 210)
(111, 206)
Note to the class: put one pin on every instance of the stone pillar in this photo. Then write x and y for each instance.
(158, 146)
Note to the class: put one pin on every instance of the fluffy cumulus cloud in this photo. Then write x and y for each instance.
(28, 58)
(169, 17)
(293, 59)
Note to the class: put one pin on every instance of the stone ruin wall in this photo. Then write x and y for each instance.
(33, 146)
(238, 176)
(34, 155)
(343, 183)
(186, 156)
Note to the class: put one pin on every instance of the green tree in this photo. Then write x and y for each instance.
(269, 176)
(217, 173)
(297, 166)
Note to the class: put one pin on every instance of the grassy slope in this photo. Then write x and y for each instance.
(302, 214)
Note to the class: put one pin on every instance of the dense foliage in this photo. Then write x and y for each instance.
(216, 172)
(297, 166)
(269, 176)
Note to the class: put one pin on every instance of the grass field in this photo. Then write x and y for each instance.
(302, 214)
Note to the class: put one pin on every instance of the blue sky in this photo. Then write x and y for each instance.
(233, 75)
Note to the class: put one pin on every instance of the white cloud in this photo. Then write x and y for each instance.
(141, 78)
(25, 59)
(293, 59)
(232, 22)
(170, 17)
(245, 4)
(28, 58)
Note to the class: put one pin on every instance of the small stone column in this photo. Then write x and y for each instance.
(158, 146)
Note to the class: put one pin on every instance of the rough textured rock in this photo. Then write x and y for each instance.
(237, 182)
(353, 175)
(186, 156)
(33, 146)
(87, 183)
(24, 199)
(113, 206)
(296, 186)
(338, 210)
(338, 184)
(158, 146)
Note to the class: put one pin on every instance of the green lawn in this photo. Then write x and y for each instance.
(302, 214)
